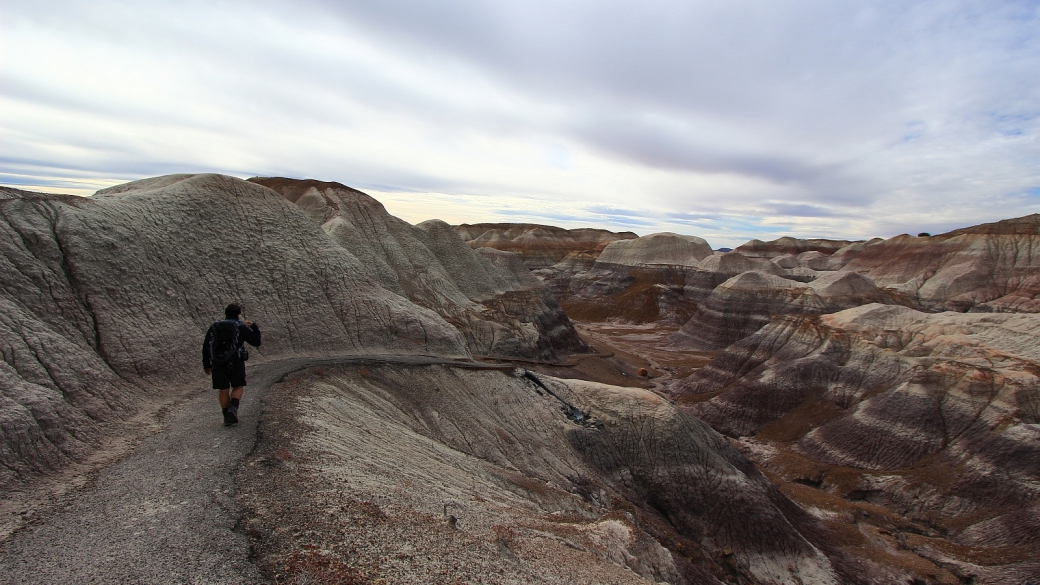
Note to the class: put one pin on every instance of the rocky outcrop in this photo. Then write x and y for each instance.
(635, 483)
(540, 246)
(942, 407)
(741, 305)
(499, 307)
(665, 248)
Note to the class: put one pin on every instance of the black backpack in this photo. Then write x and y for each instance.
(224, 349)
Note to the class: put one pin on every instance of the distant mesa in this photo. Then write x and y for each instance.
(788, 245)
(540, 246)
(1028, 225)
(640, 280)
(986, 268)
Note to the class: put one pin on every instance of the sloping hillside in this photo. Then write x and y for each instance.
(416, 473)
(109, 295)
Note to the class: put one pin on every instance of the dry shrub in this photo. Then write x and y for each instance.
(504, 535)
(372, 510)
(1029, 404)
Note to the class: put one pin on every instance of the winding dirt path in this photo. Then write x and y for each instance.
(167, 513)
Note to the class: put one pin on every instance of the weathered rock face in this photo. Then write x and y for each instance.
(540, 246)
(501, 309)
(987, 268)
(640, 484)
(104, 295)
(665, 248)
(792, 246)
(741, 305)
(943, 409)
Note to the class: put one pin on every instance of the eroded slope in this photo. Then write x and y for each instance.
(388, 453)
(932, 417)
(500, 308)
(106, 295)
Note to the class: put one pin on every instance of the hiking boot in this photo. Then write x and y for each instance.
(232, 416)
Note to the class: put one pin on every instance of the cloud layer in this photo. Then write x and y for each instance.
(727, 120)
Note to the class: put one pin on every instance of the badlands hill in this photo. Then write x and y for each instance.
(495, 303)
(932, 418)
(986, 268)
(435, 456)
(640, 492)
(887, 385)
(790, 246)
(109, 294)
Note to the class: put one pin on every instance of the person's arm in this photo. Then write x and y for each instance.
(252, 336)
(206, 364)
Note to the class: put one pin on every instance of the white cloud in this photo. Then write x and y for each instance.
(726, 119)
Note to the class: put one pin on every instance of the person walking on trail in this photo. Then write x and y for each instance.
(224, 357)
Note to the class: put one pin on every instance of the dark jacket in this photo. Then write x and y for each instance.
(246, 334)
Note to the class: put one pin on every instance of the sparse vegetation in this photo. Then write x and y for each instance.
(1028, 398)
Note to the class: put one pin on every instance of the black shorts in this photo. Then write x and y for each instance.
(230, 377)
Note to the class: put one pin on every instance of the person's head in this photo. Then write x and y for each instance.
(232, 311)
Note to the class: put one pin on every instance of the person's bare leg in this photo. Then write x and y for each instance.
(224, 399)
(236, 392)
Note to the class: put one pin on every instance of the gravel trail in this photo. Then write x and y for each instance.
(167, 513)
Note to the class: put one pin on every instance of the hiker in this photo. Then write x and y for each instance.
(224, 357)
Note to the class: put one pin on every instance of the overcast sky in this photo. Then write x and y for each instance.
(728, 120)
